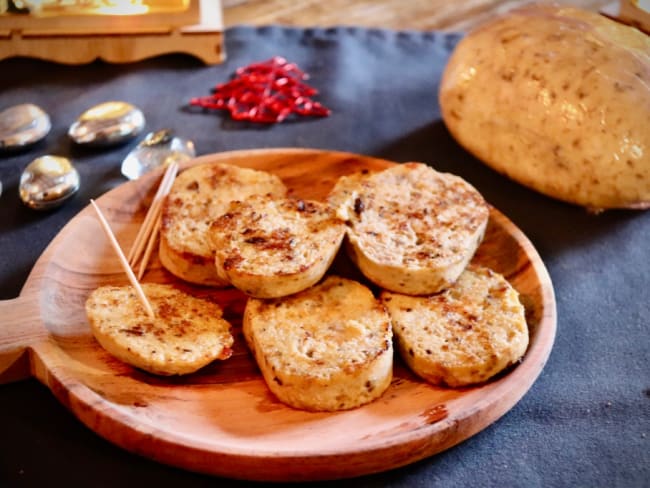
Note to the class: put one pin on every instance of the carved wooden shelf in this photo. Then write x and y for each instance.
(116, 40)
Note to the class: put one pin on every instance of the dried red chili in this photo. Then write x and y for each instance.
(266, 92)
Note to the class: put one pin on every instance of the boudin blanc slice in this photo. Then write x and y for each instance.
(463, 335)
(186, 334)
(271, 247)
(410, 229)
(324, 349)
(199, 195)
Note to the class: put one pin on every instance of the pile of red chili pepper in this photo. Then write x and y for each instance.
(266, 92)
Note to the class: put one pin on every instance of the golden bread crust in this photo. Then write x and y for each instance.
(410, 229)
(186, 334)
(199, 195)
(326, 348)
(463, 335)
(271, 247)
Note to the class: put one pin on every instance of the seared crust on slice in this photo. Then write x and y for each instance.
(199, 195)
(186, 334)
(464, 335)
(324, 349)
(410, 229)
(272, 247)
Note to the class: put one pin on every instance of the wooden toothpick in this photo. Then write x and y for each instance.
(123, 261)
(149, 228)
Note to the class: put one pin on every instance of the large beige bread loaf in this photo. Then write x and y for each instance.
(557, 99)
(323, 349)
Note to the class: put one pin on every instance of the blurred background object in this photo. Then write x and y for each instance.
(633, 12)
(117, 31)
(391, 14)
(44, 29)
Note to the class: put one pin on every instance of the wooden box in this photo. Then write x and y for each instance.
(76, 32)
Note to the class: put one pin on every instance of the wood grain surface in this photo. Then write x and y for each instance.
(223, 420)
(394, 14)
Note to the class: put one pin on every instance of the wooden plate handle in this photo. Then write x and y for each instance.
(20, 328)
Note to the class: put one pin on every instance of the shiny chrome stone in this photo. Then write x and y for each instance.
(107, 124)
(47, 182)
(23, 125)
(157, 149)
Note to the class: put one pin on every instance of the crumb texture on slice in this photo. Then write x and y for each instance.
(270, 247)
(186, 334)
(199, 195)
(324, 349)
(464, 335)
(411, 229)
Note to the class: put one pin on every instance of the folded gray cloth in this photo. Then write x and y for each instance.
(585, 422)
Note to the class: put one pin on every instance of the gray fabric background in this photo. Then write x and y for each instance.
(585, 422)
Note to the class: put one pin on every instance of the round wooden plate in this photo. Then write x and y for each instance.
(222, 420)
